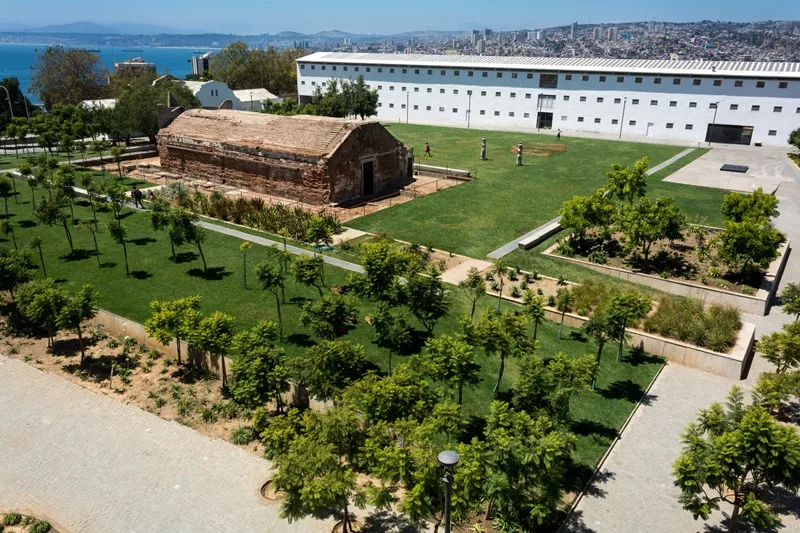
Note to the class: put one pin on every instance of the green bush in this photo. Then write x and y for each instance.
(243, 435)
(12, 519)
(592, 295)
(40, 526)
(208, 415)
(686, 320)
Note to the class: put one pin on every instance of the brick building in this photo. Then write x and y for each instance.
(316, 160)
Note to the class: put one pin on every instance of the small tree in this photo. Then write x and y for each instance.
(41, 301)
(271, 276)
(26, 171)
(628, 183)
(116, 153)
(245, 248)
(50, 212)
(119, 233)
(174, 319)
(533, 307)
(88, 226)
(329, 367)
(782, 348)
(392, 330)
(89, 186)
(36, 242)
(101, 146)
(65, 181)
(734, 453)
(474, 287)
(76, 310)
(259, 371)
(320, 234)
(545, 386)
(452, 360)
(16, 268)
(756, 206)
(426, 298)
(308, 270)
(646, 222)
(584, 213)
(331, 316)
(214, 334)
(192, 232)
(383, 262)
(749, 243)
(625, 310)
(5, 190)
(564, 301)
(790, 296)
(163, 217)
(500, 271)
(115, 193)
(794, 139)
(503, 334)
(600, 329)
(7, 229)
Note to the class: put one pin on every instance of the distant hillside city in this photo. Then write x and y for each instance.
(724, 41)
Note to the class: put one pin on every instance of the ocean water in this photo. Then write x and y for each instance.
(16, 61)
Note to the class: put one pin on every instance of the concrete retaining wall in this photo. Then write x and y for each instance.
(442, 170)
(757, 304)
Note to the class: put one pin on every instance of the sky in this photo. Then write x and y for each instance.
(385, 16)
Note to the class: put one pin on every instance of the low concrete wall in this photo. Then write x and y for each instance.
(442, 170)
(757, 304)
(731, 365)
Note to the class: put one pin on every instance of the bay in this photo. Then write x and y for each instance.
(16, 61)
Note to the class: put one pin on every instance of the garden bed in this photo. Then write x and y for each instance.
(13, 522)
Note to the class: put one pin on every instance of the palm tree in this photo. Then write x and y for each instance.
(7, 228)
(564, 301)
(534, 307)
(244, 248)
(500, 272)
(600, 329)
(271, 277)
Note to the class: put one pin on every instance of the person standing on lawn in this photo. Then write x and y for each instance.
(428, 150)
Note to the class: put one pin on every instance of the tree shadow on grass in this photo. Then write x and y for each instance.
(142, 241)
(475, 427)
(637, 356)
(590, 427)
(141, 274)
(125, 215)
(108, 264)
(578, 336)
(212, 274)
(185, 257)
(299, 300)
(389, 522)
(301, 339)
(418, 339)
(27, 224)
(78, 254)
(627, 390)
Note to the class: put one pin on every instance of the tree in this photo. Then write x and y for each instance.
(259, 371)
(308, 270)
(88, 227)
(65, 181)
(790, 296)
(533, 307)
(244, 248)
(782, 348)
(474, 287)
(63, 75)
(37, 243)
(503, 334)
(16, 268)
(19, 102)
(500, 271)
(174, 319)
(320, 234)
(5, 190)
(331, 316)
(116, 153)
(628, 183)
(89, 186)
(271, 276)
(392, 330)
(625, 310)
(41, 301)
(757, 206)
(647, 222)
(119, 233)
(66, 144)
(136, 111)
(584, 213)
(794, 139)
(214, 335)
(598, 327)
(383, 262)
(163, 217)
(735, 452)
(426, 298)
(452, 360)
(241, 67)
(771, 391)
(345, 98)
(99, 146)
(7, 229)
(749, 243)
(26, 171)
(115, 193)
(545, 386)
(192, 232)
(76, 310)
(329, 367)
(50, 212)
(564, 301)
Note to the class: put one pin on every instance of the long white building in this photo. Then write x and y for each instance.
(691, 101)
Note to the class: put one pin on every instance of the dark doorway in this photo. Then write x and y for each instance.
(729, 134)
(410, 167)
(368, 177)
(544, 120)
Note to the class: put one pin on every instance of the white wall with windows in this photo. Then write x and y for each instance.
(659, 99)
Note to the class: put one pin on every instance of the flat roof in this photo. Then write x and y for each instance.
(744, 69)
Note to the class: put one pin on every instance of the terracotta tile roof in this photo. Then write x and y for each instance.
(302, 134)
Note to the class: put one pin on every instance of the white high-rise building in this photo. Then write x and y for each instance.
(612, 34)
(687, 101)
(597, 33)
(480, 47)
(573, 30)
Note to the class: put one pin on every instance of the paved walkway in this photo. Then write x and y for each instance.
(458, 273)
(669, 161)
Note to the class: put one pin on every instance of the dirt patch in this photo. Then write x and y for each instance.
(539, 149)
(514, 287)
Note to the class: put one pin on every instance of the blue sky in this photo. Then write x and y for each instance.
(385, 16)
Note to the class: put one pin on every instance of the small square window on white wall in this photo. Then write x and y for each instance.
(563, 118)
(599, 99)
(617, 100)
(510, 113)
(441, 109)
(580, 119)
(402, 106)
(427, 108)
(498, 93)
(483, 112)
(416, 107)
(513, 95)
(497, 113)
(380, 104)
(614, 121)
(583, 98)
(631, 123)
(416, 89)
(527, 95)
(441, 91)
(566, 98)
(526, 115)
(391, 105)
(689, 126)
(597, 121)
(669, 125)
(455, 110)
(455, 91)
(483, 93)
(772, 133)
(430, 90)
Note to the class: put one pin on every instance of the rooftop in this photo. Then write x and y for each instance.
(304, 134)
(245, 95)
(576, 64)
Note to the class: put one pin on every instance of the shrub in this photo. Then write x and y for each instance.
(243, 435)
(551, 301)
(686, 320)
(495, 286)
(208, 415)
(523, 285)
(539, 291)
(529, 278)
(516, 292)
(592, 295)
(598, 257)
(154, 354)
(12, 519)
(39, 526)
(184, 407)
(227, 410)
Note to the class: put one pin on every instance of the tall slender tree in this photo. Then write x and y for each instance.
(214, 334)
(119, 233)
(245, 249)
(174, 319)
(271, 276)
(76, 310)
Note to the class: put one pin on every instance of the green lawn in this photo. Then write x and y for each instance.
(596, 415)
(98, 177)
(506, 201)
(10, 160)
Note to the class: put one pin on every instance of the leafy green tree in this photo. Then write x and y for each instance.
(245, 249)
(100, 146)
(474, 287)
(545, 386)
(406, 394)
(214, 335)
(7, 229)
(86, 181)
(790, 296)
(731, 454)
(88, 227)
(383, 263)
(565, 299)
(625, 310)
(16, 268)
(533, 307)
(308, 270)
(500, 270)
(628, 183)
(599, 328)
(749, 243)
(66, 144)
(62, 75)
(392, 330)
(116, 154)
(647, 222)
(584, 213)
(37, 242)
(782, 348)
(271, 276)
(241, 67)
(452, 360)
(138, 98)
(115, 193)
(165, 218)
(65, 181)
(526, 467)
(176, 319)
(504, 335)
(5, 190)
(329, 367)
(76, 310)
(259, 371)
(50, 213)
(192, 232)
(794, 139)
(330, 316)
(18, 102)
(757, 205)
(119, 233)
(426, 298)
(41, 301)
(771, 391)
(25, 170)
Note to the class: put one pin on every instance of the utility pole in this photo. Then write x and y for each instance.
(622, 120)
(407, 107)
(469, 108)
(713, 122)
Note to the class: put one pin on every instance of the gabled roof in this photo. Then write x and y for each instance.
(244, 95)
(302, 135)
(744, 69)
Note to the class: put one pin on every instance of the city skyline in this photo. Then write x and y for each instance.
(382, 17)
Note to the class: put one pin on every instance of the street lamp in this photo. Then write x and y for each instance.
(622, 120)
(713, 122)
(469, 107)
(8, 95)
(407, 107)
(448, 459)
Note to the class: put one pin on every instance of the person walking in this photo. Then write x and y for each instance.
(137, 195)
(428, 150)
(558, 135)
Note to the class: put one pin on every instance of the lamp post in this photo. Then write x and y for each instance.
(713, 122)
(8, 95)
(469, 107)
(622, 120)
(448, 459)
(407, 107)
(251, 100)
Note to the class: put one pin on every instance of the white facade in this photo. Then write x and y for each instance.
(676, 100)
(212, 93)
(255, 99)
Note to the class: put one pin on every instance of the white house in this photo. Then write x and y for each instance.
(689, 101)
(212, 93)
(255, 99)
(103, 103)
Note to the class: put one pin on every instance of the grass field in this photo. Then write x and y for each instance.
(596, 415)
(506, 201)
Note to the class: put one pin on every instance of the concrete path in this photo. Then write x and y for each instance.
(458, 273)
(266, 242)
(348, 235)
(669, 161)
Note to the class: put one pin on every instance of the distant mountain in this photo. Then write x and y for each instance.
(73, 27)
(117, 28)
(13, 27)
(148, 29)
